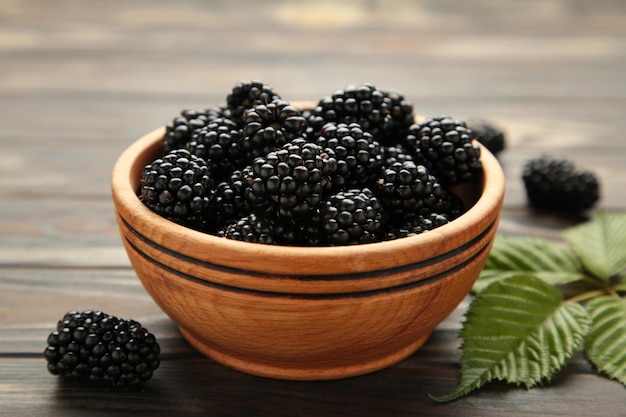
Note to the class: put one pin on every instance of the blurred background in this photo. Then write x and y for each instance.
(80, 73)
(80, 80)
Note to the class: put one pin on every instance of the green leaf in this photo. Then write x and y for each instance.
(600, 243)
(605, 344)
(513, 256)
(520, 331)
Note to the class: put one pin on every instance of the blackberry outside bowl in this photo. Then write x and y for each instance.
(304, 313)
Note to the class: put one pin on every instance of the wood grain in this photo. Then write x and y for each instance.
(81, 80)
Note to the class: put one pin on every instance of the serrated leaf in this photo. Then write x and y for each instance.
(514, 256)
(520, 331)
(600, 243)
(605, 345)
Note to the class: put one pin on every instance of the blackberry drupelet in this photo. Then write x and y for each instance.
(445, 147)
(384, 114)
(489, 135)
(245, 95)
(103, 349)
(182, 128)
(408, 190)
(219, 144)
(351, 217)
(179, 187)
(359, 156)
(393, 154)
(557, 184)
(290, 182)
(267, 127)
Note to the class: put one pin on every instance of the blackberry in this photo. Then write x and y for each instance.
(178, 186)
(268, 127)
(256, 228)
(402, 113)
(103, 349)
(489, 135)
(382, 113)
(219, 144)
(445, 147)
(416, 225)
(245, 95)
(452, 206)
(351, 217)
(407, 189)
(359, 156)
(181, 129)
(230, 203)
(252, 228)
(557, 184)
(292, 181)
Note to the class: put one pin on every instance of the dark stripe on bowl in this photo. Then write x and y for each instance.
(336, 277)
(357, 294)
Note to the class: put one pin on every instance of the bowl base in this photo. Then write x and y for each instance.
(300, 373)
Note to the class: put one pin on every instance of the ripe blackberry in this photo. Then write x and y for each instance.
(178, 186)
(415, 225)
(267, 127)
(181, 129)
(359, 156)
(256, 228)
(402, 114)
(219, 144)
(557, 184)
(382, 113)
(252, 228)
(103, 349)
(489, 135)
(452, 206)
(229, 201)
(445, 147)
(247, 94)
(351, 217)
(292, 181)
(407, 189)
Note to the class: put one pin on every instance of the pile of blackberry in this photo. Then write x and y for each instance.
(353, 168)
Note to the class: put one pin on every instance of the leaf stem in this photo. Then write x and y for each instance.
(596, 282)
(587, 295)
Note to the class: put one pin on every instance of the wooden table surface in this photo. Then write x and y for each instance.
(81, 80)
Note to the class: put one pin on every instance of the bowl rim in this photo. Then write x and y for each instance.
(281, 260)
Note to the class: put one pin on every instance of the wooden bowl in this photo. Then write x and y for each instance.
(304, 313)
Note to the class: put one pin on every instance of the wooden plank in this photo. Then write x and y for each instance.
(191, 385)
(82, 233)
(44, 295)
(31, 163)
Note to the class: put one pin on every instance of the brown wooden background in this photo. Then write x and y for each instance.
(80, 80)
